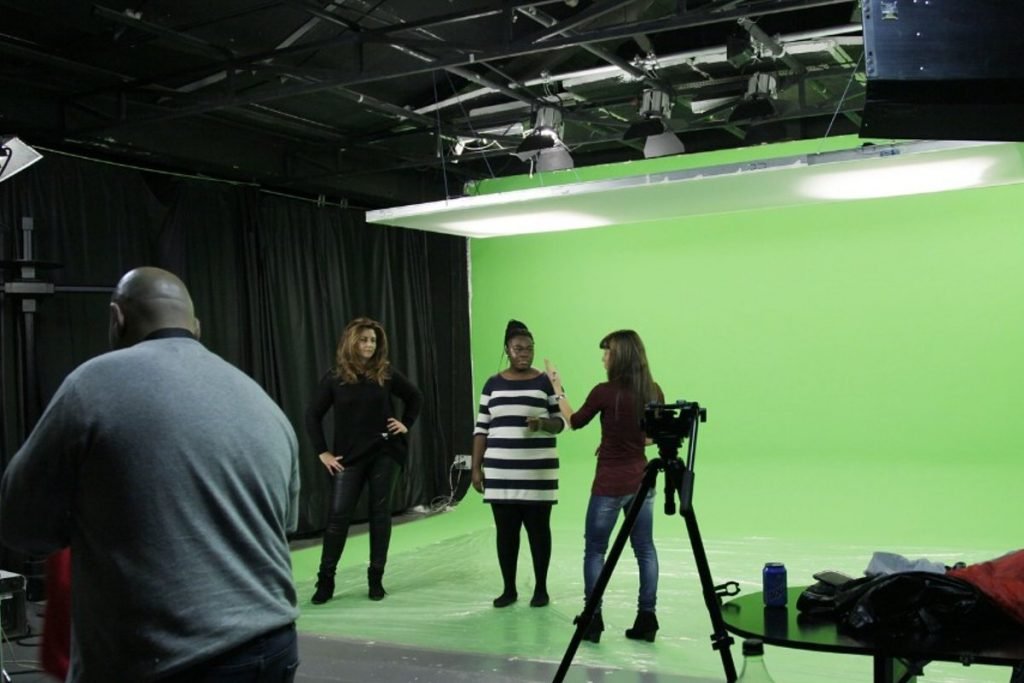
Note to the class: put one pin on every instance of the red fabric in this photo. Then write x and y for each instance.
(55, 650)
(1001, 579)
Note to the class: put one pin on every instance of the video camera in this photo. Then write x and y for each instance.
(672, 422)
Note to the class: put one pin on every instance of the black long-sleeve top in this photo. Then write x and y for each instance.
(361, 413)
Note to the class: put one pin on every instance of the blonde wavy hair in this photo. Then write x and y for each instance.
(350, 366)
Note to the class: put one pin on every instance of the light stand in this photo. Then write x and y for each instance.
(22, 285)
(667, 428)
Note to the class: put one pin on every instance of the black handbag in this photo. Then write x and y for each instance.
(906, 605)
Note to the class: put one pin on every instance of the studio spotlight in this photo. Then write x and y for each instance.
(655, 109)
(543, 145)
(662, 145)
(554, 159)
(546, 132)
(643, 129)
(759, 100)
(15, 156)
(535, 142)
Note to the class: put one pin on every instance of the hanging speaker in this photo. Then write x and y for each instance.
(942, 69)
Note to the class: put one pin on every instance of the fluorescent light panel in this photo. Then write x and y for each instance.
(872, 171)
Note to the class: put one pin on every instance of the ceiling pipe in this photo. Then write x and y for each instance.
(548, 21)
(776, 48)
(610, 72)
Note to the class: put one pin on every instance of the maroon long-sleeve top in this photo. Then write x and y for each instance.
(620, 456)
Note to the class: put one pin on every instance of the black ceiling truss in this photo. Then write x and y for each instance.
(338, 97)
(418, 66)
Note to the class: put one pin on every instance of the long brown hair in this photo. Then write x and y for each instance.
(349, 366)
(627, 366)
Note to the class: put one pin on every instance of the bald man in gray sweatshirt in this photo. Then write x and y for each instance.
(174, 479)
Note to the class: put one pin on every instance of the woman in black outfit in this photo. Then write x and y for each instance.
(369, 445)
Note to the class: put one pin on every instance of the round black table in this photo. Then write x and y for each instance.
(894, 662)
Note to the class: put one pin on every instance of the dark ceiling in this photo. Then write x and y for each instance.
(387, 102)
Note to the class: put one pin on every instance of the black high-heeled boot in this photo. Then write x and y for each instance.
(374, 577)
(324, 588)
(645, 626)
(595, 629)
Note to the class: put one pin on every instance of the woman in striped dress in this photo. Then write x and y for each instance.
(515, 464)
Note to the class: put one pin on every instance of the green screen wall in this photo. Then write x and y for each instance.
(861, 362)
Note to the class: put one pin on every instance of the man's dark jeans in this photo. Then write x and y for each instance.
(270, 658)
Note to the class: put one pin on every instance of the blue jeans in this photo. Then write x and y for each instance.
(601, 515)
(270, 658)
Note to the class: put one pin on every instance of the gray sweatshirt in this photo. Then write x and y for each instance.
(174, 478)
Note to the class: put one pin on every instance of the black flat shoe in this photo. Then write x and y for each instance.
(505, 599)
(540, 599)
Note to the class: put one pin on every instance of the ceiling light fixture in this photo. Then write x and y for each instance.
(866, 172)
(15, 156)
(543, 145)
(759, 100)
(655, 108)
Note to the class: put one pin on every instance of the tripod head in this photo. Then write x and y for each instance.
(668, 424)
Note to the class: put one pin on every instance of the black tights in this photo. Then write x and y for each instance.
(509, 518)
(376, 470)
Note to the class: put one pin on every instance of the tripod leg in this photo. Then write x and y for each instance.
(584, 619)
(720, 638)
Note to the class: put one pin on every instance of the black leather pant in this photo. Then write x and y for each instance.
(375, 471)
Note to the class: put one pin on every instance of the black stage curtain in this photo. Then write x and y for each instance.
(274, 281)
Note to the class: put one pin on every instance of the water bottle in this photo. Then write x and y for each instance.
(754, 670)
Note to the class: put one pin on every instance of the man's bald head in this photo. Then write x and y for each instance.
(146, 300)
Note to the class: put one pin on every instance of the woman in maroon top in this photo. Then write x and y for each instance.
(620, 468)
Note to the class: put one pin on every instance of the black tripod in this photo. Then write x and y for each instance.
(667, 425)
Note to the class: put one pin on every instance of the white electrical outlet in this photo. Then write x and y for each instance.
(463, 462)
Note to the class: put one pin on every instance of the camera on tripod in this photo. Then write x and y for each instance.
(667, 425)
(670, 423)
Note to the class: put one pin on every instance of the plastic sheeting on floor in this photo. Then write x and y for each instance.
(442, 575)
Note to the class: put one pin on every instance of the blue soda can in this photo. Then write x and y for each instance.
(774, 576)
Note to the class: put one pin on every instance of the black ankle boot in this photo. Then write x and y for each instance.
(374, 576)
(324, 589)
(645, 626)
(596, 628)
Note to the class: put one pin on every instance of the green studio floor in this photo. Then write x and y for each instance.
(443, 573)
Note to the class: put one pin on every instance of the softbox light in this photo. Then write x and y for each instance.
(15, 156)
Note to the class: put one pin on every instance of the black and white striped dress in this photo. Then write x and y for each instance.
(519, 466)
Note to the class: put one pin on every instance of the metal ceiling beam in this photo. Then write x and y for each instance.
(678, 21)
(185, 40)
(599, 52)
(353, 78)
(587, 16)
(68, 65)
(401, 113)
(777, 50)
